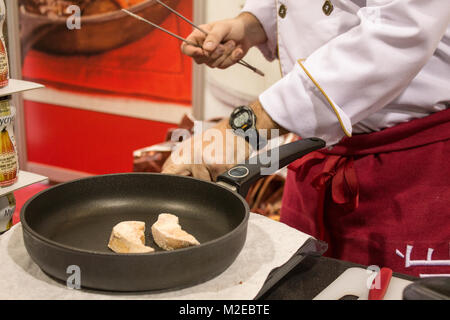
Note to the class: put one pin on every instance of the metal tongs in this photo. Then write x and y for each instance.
(241, 62)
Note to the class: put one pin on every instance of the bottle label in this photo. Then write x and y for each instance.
(7, 208)
(4, 67)
(5, 108)
(9, 164)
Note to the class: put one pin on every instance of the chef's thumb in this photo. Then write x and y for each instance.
(215, 37)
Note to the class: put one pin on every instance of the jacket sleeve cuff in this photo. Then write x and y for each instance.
(266, 13)
(299, 104)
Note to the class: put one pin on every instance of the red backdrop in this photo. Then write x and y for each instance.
(152, 68)
(87, 141)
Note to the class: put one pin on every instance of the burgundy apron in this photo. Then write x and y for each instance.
(379, 199)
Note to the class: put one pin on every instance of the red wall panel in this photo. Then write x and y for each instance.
(151, 68)
(87, 141)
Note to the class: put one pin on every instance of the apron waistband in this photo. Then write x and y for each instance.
(412, 134)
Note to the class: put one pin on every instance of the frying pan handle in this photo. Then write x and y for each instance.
(241, 177)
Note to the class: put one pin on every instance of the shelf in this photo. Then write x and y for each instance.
(25, 179)
(16, 86)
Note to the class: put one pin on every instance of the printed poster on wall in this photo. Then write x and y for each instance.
(106, 70)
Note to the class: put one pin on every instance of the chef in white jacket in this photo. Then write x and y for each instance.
(372, 79)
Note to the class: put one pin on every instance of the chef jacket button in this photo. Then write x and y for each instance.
(327, 7)
(282, 12)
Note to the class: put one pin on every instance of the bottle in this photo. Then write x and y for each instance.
(4, 65)
(7, 208)
(9, 160)
(5, 106)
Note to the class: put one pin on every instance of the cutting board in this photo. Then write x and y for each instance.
(355, 282)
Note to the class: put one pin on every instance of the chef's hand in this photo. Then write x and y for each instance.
(227, 42)
(209, 154)
(218, 149)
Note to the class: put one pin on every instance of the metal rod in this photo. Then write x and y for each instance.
(241, 62)
(160, 28)
(181, 16)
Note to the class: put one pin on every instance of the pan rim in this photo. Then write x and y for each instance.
(36, 235)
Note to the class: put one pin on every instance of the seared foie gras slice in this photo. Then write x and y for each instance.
(168, 234)
(129, 237)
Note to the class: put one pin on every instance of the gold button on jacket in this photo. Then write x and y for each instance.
(283, 11)
(327, 7)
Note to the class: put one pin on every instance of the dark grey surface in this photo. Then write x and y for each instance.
(428, 289)
(311, 277)
(311, 247)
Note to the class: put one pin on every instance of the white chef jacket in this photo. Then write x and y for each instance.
(369, 65)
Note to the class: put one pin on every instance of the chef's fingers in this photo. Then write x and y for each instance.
(216, 54)
(228, 49)
(200, 58)
(198, 54)
(191, 51)
(177, 169)
(198, 38)
(216, 36)
(201, 172)
(232, 58)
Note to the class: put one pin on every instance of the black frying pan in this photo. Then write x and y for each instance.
(70, 224)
